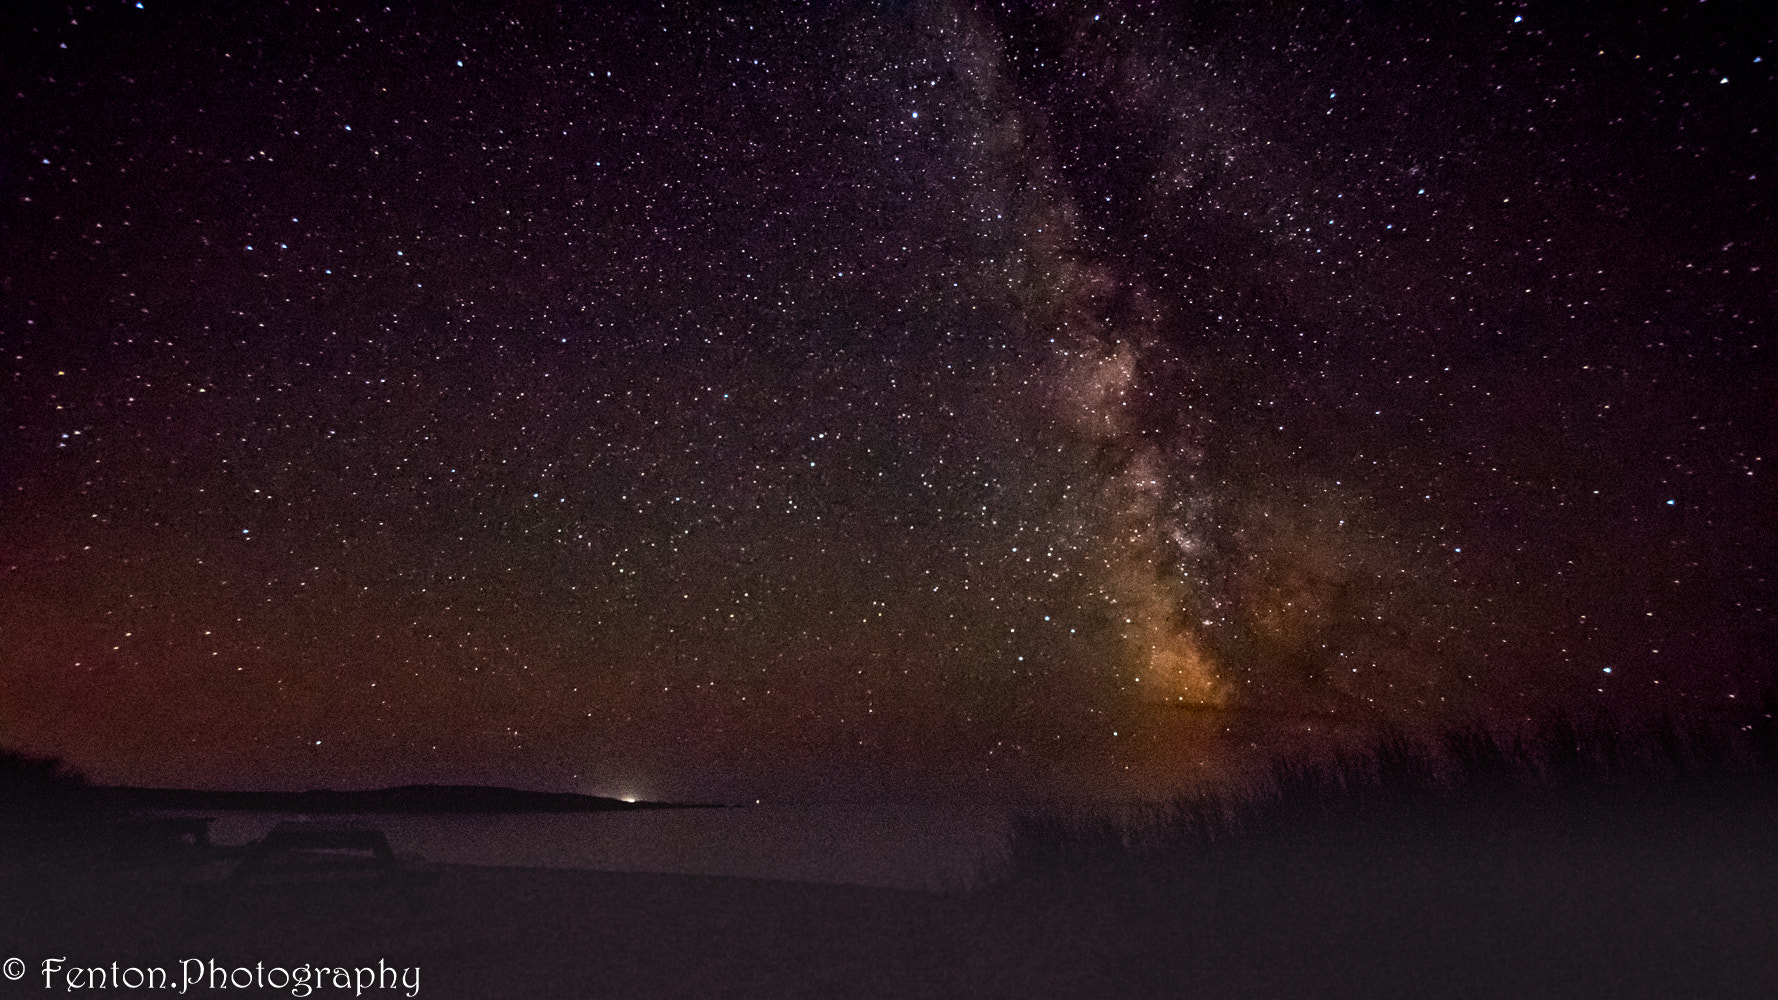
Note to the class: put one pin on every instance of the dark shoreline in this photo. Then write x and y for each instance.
(1684, 913)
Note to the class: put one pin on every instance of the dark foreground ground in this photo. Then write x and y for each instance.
(1673, 910)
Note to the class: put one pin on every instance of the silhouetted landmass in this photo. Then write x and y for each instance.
(43, 789)
(401, 799)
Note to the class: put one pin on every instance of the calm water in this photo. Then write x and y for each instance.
(933, 847)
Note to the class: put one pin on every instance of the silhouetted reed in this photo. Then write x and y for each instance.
(1463, 782)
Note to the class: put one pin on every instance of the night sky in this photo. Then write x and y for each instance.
(862, 400)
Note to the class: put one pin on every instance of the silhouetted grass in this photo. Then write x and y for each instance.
(1461, 783)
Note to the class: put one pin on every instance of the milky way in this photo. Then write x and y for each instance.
(860, 401)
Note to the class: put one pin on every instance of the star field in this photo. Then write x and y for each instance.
(859, 400)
